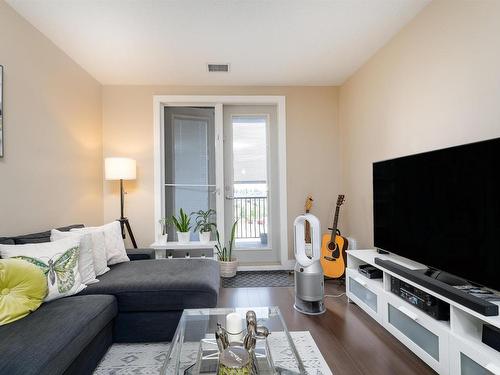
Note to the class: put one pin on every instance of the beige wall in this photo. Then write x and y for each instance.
(436, 84)
(51, 172)
(312, 147)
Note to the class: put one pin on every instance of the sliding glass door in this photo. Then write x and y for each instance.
(250, 188)
(230, 165)
(189, 162)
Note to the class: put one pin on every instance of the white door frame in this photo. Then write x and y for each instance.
(217, 102)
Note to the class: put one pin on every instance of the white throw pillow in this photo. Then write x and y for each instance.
(115, 248)
(58, 260)
(99, 251)
(98, 248)
(86, 258)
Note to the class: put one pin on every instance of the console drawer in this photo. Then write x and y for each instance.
(362, 292)
(470, 367)
(468, 359)
(426, 337)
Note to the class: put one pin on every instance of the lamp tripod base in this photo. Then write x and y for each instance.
(124, 223)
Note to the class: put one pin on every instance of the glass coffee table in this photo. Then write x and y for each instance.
(194, 349)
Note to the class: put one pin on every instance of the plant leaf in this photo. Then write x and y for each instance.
(231, 241)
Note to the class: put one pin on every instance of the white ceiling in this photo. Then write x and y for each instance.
(267, 42)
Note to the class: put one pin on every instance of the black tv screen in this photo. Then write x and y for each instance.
(442, 209)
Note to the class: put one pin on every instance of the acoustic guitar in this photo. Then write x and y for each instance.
(333, 255)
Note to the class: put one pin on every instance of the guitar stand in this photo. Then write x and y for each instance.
(340, 281)
(124, 223)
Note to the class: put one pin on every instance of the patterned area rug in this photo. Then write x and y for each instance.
(254, 279)
(147, 359)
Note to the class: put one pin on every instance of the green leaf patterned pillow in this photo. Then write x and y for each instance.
(58, 261)
(58, 270)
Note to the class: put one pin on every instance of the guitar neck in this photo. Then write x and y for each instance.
(335, 223)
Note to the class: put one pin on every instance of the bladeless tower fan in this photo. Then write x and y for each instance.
(309, 279)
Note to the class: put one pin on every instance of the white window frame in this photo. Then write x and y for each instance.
(217, 102)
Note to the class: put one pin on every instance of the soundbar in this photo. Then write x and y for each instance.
(474, 303)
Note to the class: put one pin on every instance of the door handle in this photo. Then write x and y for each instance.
(229, 197)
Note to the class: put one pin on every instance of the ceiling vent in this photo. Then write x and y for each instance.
(224, 68)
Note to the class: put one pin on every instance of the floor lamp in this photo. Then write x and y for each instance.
(121, 169)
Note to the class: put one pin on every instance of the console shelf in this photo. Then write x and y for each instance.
(450, 347)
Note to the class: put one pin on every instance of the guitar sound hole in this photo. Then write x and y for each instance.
(332, 246)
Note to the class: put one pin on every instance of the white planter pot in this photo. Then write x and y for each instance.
(228, 269)
(163, 238)
(205, 237)
(183, 237)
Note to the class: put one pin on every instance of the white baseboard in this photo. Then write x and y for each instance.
(289, 265)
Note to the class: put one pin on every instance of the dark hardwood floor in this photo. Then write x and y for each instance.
(351, 342)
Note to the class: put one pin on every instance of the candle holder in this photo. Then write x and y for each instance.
(228, 350)
(277, 356)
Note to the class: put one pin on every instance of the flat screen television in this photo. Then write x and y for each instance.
(442, 209)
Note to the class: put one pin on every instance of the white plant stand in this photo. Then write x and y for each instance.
(193, 249)
(449, 347)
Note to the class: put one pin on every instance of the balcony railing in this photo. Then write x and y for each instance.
(251, 213)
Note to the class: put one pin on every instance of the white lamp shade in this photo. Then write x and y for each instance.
(119, 169)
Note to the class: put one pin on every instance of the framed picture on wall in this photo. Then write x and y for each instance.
(1, 111)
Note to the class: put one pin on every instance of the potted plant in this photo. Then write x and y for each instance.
(263, 238)
(204, 225)
(227, 263)
(163, 237)
(183, 224)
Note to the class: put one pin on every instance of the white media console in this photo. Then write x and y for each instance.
(451, 347)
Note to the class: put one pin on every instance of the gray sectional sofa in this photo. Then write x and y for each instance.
(137, 301)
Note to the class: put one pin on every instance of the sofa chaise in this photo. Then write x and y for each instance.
(137, 301)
